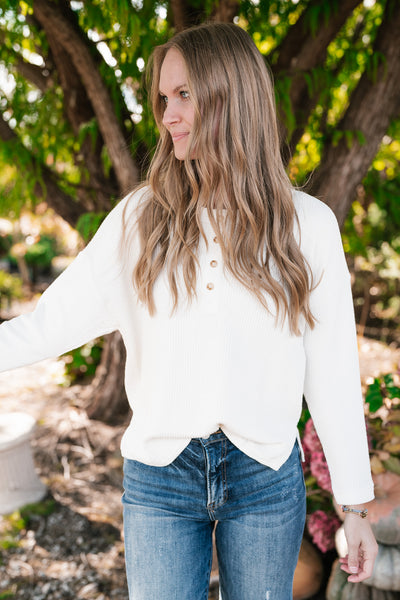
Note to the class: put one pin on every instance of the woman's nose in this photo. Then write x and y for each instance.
(171, 115)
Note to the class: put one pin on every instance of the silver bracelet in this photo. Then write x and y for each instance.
(363, 513)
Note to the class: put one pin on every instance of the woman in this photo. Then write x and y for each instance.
(233, 298)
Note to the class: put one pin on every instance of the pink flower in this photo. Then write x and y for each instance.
(310, 441)
(319, 469)
(322, 528)
(315, 457)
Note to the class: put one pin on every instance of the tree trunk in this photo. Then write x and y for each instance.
(106, 396)
(63, 204)
(372, 106)
(225, 11)
(184, 14)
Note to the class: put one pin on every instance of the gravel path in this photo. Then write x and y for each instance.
(76, 551)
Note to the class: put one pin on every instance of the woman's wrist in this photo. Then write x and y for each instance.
(358, 510)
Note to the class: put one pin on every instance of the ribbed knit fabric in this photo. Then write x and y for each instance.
(220, 361)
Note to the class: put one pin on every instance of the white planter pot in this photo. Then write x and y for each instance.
(19, 483)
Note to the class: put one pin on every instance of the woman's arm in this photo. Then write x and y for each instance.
(333, 392)
(69, 313)
(362, 546)
(332, 385)
(74, 308)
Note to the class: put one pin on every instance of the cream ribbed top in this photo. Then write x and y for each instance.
(220, 361)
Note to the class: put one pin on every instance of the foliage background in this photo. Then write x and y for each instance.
(120, 35)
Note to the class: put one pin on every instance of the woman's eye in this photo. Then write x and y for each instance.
(184, 95)
(164, 99)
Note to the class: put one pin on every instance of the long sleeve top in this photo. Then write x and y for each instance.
(219, 361)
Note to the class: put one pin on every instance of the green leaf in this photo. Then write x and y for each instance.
(7, 595)
(349, 137)
(374, 61)
(392, 464)
(282, 92)
(89, 223)
(43, 509)
(90, 128)
(361, 138)
(337, 136)
(373, 396)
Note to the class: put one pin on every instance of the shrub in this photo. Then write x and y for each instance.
(82, 362)
(10, 287)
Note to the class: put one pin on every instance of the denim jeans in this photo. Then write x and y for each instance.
(170, 513)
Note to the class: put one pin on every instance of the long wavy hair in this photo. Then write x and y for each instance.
(237, 175)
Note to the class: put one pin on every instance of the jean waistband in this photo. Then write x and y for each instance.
(213, 437)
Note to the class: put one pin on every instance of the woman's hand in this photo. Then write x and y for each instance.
(362, 548)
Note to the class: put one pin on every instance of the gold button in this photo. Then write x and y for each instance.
(215, 239)
(210, 286)
(213, 263)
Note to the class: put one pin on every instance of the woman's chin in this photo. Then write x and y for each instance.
(180, 153)
(180, 150)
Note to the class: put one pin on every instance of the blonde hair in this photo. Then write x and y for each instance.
(237, 167)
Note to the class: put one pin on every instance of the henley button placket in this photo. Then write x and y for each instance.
(211, 274)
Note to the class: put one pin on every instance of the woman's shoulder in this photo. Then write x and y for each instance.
(311, 208)
(319, 229)
(121, 218)
(131, 202)
(124, 213)
(313, 214)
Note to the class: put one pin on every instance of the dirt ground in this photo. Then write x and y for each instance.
(76, 551)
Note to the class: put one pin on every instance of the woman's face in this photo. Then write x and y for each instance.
(179, 111)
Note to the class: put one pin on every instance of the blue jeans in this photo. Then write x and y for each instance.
(170, 513)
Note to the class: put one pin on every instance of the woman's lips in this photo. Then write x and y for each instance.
(178, 136)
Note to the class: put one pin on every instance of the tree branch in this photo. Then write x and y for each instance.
(52, 20)
(33, 73)
(373, 105)
(39, 76)
(225, 10)
(74, 96)
(300, 52)
(6, 133)
(184, 14)
(47, 188)
(90, 149)
(178, 13)
(339, 66)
